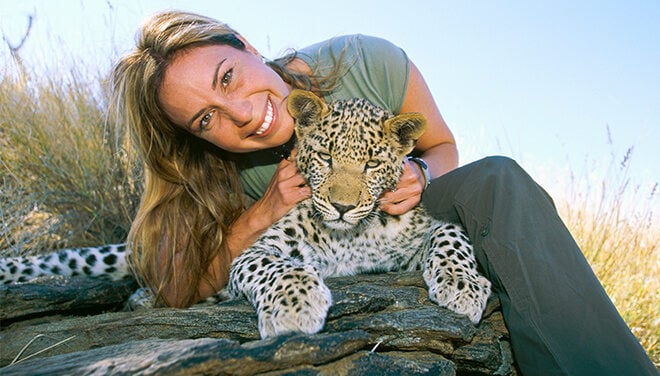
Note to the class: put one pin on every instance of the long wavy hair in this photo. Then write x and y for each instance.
(191, 192)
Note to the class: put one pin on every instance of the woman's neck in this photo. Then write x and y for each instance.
(284, 151)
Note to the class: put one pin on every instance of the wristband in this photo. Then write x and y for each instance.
(425, 169)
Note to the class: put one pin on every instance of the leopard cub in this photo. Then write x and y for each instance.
(349, 152)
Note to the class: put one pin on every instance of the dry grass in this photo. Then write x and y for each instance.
(65, 179)
(613, 221)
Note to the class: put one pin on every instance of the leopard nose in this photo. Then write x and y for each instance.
(342, 209)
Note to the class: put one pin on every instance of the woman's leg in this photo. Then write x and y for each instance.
(559, 317)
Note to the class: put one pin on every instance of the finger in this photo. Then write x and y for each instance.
(397, 208)
(404, 191)
(286, 169)
(292, 154)
(410, 173)
(296, 194)
(390, 208)
(305, 192)
(295, 180)
(388, 196)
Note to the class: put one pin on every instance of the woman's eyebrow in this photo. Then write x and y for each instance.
(214, 83)
(199, 113)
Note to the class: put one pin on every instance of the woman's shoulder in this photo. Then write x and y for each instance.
(373, 68)
(352, 45)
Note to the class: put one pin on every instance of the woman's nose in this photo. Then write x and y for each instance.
(239, 112)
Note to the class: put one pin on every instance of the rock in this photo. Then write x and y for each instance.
(58, 294)
(380, 324)
(199, 356)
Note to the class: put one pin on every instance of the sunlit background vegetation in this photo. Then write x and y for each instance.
(66, 180)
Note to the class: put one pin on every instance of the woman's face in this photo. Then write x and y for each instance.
(228, 97)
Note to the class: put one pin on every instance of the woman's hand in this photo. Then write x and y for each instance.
(408, 192)
(285, 190)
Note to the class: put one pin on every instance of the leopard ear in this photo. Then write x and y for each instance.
(405, 130)
(306, 107)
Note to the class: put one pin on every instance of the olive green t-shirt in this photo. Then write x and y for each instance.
(375, 69)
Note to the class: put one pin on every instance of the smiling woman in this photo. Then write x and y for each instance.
(227, 96)
(193, 93)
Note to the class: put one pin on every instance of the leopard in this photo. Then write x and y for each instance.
(350, 152)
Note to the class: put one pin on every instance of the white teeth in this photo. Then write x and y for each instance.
(267, 120)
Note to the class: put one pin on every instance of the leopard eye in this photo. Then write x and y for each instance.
(325, 157)
(372, 164)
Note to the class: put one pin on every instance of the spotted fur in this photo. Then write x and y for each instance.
(108, 261)
(350, 152)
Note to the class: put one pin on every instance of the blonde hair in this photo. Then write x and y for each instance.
(191, 189)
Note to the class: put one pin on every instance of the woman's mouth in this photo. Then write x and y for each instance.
(268, 120)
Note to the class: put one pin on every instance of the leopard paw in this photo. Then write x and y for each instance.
(141, 299)
(466, 295)
(298, 301)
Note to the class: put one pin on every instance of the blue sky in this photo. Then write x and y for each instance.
(547, 83)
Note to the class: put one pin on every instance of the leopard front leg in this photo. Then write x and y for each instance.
(287, 295)
(450, 271)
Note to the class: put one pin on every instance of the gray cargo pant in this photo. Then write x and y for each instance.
(559, 317)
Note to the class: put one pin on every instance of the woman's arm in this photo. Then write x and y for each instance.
(286, 189)
(436, 146)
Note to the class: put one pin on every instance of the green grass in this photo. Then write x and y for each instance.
(65, 180)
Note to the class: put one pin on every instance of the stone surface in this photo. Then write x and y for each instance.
(380, 324)
(54, 294)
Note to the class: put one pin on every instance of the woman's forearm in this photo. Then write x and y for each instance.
(247, 228)
(441, 159)
(285, 190)
(242, 233)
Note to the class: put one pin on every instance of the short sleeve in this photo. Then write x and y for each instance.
(374, 68)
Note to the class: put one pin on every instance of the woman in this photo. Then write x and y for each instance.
(208, 116)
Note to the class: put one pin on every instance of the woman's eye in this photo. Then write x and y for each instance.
(226, 78)
(206, 120)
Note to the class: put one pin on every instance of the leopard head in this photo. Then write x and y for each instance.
(350, 152)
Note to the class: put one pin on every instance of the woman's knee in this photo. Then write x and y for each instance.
(505, 175)
(500, 166)
(501, 171)
(487, 181)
